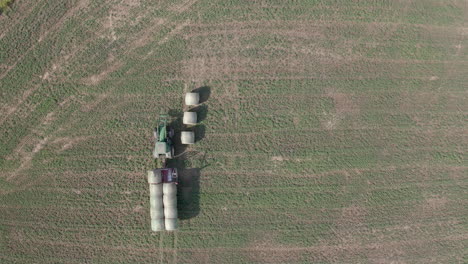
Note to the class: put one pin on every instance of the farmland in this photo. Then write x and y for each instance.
(334, 131)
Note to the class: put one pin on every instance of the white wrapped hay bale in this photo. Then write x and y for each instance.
(156, 201)
(190, 118)
(169, 188)
(170, 200)
(192, 98)
(170, 224)
(170, 212)
(157, 224)
(154, 177)
(156, 189)
(156, 213)
(187, 137)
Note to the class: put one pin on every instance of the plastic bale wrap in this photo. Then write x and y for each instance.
(169, 188)
(157, 213)
(187, 137)
(156, 202)
(190, 118)
(157, 224)
(170, 212)
(154, 177)
(171, 224)
(170, 200)
(192, 98)
(156, 189)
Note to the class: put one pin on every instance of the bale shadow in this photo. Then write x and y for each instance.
(202, 112)
(204, 92)
(176, 124)
(199, 132)
(176, 118)
(188, 189)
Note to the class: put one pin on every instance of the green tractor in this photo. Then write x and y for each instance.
(164, 147)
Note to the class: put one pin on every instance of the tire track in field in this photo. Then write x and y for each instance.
(10, 109)
(38, 139)
(322, 248)
(161, 247)
(27, 158)
(102, 97)
(459, 46)
(58, 24)
(175, 259)
(290, 28)
(27, 11)
(140, 40)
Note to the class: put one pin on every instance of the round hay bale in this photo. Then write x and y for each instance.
(171, 224)
(170, 200)
(169, 189)
(187, 137)
(156, 189)
(156, 202)
(156, 205)
(170, 212)
(190, 118)
(156, 213)
(192, 98)
(154, 177)
(157, 224)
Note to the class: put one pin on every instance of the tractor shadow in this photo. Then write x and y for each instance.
(204, 92)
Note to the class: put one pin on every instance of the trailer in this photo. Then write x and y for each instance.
(163, 198)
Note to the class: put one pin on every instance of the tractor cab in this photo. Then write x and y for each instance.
(163, 134)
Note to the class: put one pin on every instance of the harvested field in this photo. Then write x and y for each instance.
(333, 131)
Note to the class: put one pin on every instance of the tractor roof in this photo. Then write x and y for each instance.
(160, 148)
(162, 133)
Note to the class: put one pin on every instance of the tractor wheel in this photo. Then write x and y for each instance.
(171, 132)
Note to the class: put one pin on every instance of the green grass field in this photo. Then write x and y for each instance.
(335, 131)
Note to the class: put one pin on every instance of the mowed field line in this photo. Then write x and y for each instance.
(17, 17)
(27, 93)
(55, 27)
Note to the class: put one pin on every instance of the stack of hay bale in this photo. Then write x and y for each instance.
(170, 205)
(163, 201)
(190, 118)
(156, 200)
